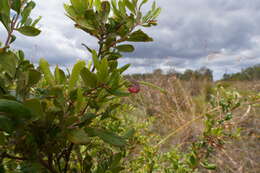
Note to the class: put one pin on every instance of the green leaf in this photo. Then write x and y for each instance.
(105, 5)
(16, 5)
(87, 119)
(70, 11)
(5, 14)
(5, 21)
(143, 2)
(14, 110)
(103, 72)
(129, 134)
(79, 5)
(60, 76)
(122, 6)
(209, 166)
(89, 78)
(29, 31)
(130, 6)
(124, 68)
(156, 13)
(13, 38)
(95, 59)
(6, 124)
(78, 136)
(27, 11)
(8, 62)
(34, 105)
(97, 4)
(125, 48)
(139, 36)
(45, 68)
(5, 8)
(107, 136)
(75, 74)
(36, 21)
(34, 77)
(2, 169)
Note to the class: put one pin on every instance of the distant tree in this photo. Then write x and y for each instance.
(249, 74)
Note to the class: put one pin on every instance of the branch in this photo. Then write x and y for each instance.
(9, 37)
(46, 165)
(67, 157)
(6, 155)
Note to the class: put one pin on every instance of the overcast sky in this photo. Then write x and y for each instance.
(223, 35)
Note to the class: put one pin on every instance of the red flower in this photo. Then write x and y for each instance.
(134, 88)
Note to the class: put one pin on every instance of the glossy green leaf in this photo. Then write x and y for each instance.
(75, 74)
(45, 68)
(14, 110)
(105, 5)
(16, 5)
(8, 62)
(34, 105)
(79, 5)
(124, 68)
(36, 21)
(89, 78)
(130, 6)
(13, 38)
(125, 48)
(5, 14)
(95, 59)
(156, 13)
(60, 76)
(29, 31)
(5, 8)
(27, 11)
(139, 36)
(5, 21)
(70, 11)
(143, 2)
(34, 77)
(87, 119)
(107, 136)
(98, 5)
(78, 136)
(122, 7)
(6, 124)
(103, 72)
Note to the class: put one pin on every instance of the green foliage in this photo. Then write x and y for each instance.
(248, 74)
(65, 122)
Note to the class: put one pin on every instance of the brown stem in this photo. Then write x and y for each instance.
(47, 166)
(9, 37)
(5, 155)
(67, 157)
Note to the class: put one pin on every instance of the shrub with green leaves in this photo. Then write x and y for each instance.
(52, 121)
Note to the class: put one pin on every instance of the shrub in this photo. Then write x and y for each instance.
(58, 122)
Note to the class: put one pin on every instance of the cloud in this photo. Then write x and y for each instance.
(223, 35)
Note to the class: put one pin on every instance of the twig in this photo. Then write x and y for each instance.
(5, 155)
(67, 158)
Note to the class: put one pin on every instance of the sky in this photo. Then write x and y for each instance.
(223, 35)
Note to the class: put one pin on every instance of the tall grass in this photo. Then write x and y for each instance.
(178, 121)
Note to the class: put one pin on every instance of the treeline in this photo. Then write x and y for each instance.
(204, 73)
(248, 74)
(200, 74)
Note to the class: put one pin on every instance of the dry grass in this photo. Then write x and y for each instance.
(178, 112)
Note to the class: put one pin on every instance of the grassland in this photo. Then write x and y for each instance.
(176, 119)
